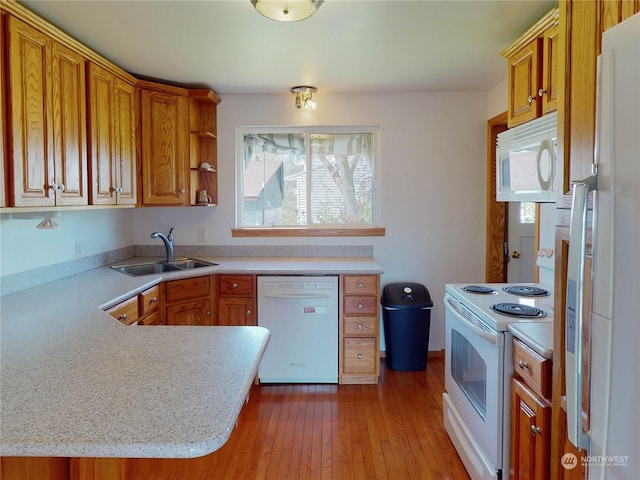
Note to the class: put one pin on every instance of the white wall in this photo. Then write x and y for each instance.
(433, 183)
(24, 247)
(497, 99)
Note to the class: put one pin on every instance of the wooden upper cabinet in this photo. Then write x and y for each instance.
(47, 121)
(164, 144)
(112, 146)
(550, 79)
(3, 113)
(532, 71)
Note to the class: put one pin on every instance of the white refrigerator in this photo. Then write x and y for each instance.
(611, 442)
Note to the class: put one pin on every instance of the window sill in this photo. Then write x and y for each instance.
(309, 232)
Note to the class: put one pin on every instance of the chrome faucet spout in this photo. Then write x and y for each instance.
(168, 242)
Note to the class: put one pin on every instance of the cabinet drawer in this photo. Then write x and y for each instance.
(534, 369)
(360, 326)
(360, 305)
(360, 284)
(154, 318)
(360, 355)
(235, 285)
(126, 312)
(149, 300)
(188, 288)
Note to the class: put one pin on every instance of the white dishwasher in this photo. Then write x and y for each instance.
(301, 312)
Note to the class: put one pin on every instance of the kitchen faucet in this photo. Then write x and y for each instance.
(168, 243)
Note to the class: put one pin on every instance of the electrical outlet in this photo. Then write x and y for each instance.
(202, 234)
(79, 249)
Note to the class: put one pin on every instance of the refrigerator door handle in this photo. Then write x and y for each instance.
(575, 311)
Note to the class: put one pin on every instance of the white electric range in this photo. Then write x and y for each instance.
(478, 369)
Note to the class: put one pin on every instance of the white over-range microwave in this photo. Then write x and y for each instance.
(526, 162)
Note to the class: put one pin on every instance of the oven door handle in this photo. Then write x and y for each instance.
(491, 337)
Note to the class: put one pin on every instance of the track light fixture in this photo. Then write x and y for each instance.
(304, 97)
(287, 10)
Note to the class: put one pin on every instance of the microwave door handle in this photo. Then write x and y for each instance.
(574, 314)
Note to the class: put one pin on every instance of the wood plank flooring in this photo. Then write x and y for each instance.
(392, 430)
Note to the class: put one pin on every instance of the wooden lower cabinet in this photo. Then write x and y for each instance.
(530, 415)
(197, 312)
(530, 434)
(236, 300)
(359, 347)
(189, 301)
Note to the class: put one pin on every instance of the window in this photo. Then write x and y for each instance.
(527, 212)
(306, 177)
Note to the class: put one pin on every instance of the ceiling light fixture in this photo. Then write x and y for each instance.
(287, 10)
(304, 97)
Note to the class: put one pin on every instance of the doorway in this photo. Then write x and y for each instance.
(520, 242)
(498, 250)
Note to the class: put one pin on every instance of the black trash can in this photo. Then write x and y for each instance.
(406, 314)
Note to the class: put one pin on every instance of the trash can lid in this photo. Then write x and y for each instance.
(405, 295)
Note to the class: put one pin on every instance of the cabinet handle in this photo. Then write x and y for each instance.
(359, 356)
(154, 299)
(522, 364)
(234, 285)
(531, 98)
(360, 326)
(541, 92)
(535, 430)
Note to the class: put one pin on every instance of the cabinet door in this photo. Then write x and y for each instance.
(530, 435)
(3, 116)
(197, 312)
(101, 106)
(236, 311)
(550, 79)
(164, 148)
(523, 83)
(29, 106)
(125, 143)
(69, 126)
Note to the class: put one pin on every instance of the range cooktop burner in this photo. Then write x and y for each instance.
(478, 289)
(518, 310)
(526, 291)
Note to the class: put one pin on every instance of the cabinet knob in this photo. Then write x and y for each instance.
(234, 285)
(208, 313)
(541, 93)
(154, 299)
(522, 364)
(122, 317)
(248, 312)
(182, 190)
(359, 356)
(535, 430)
(531, 98)
(360, 306)
(360, 285)
(360, 326)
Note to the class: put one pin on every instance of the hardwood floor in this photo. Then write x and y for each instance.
(392, 430)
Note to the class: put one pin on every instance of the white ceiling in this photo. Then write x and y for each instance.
(347, 46)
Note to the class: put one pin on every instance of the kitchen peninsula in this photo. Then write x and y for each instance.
(79, 385)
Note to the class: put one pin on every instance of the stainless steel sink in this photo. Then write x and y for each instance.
(147, 268)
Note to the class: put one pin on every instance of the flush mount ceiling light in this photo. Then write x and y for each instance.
(304, 97)
(287, 10)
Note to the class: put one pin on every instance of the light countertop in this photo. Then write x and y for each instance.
(75, 382)
(537, 335)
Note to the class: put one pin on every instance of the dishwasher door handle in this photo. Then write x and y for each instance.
(296, 296)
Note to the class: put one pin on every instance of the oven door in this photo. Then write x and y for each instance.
(474, 379)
